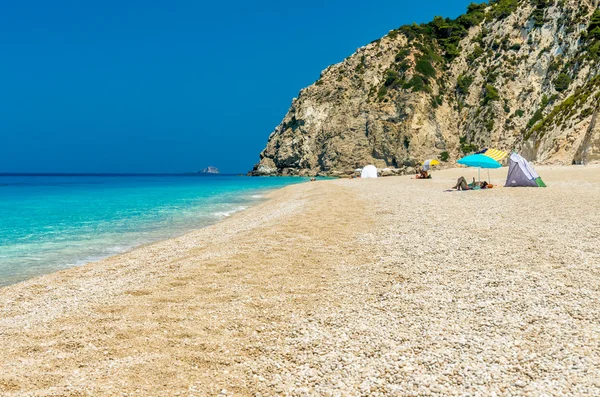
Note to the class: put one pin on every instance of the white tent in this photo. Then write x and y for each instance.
(370, 171)
(521, 173)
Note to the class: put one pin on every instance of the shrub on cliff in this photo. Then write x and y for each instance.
(537, 116)
(562, 82)
(391, 77)
(402, 54)
(417, 84)
(502, 8)
(466, 147)
(425, 68)
(491, 94)
(593, 30)
(592, 36)
(474, 16)
(538, 12)
(463, 83)
(477, 52)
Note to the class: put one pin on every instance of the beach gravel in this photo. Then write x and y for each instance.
(387, 287)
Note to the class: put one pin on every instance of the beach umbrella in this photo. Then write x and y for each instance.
(480, 161)
(496, 154)
(429, 163)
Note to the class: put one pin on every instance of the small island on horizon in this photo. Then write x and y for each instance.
(209, 170)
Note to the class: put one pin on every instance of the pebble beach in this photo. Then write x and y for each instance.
(383, 287)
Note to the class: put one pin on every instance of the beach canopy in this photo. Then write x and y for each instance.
(429, 163)
(369, 171)
(479, 160)
(521, 173)
(496, 154)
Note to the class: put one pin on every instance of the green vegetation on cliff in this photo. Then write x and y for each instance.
(432, 45)
(436, 44)
(570, 107)
(445, 32)
(592, 36)
(515, 74)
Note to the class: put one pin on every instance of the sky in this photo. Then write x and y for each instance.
(169, 86)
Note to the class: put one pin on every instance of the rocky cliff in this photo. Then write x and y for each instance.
(512, 74)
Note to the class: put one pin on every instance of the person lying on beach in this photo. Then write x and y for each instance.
(461, 184)
(421, 174)
(481, 185)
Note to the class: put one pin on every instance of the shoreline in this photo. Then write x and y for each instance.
(358, 287)
(128, 246)
(85, 297)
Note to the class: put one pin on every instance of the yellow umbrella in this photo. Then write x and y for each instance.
(430, 162)
(427, 164)
(495, 154)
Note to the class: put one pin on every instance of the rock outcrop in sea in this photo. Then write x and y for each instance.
(209, 170)
(512, 74)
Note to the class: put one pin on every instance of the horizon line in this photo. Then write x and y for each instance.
(196, 173)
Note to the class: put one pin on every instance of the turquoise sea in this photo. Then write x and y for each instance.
(48, 223)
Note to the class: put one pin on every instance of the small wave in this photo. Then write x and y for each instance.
(119, 248)
(225, 214)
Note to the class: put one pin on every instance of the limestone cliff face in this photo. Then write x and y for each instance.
(513, 74)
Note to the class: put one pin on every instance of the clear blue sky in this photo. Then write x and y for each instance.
(169, 86)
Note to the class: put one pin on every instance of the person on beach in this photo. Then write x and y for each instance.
(421, 174)
(461, 184)
(481, 185)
